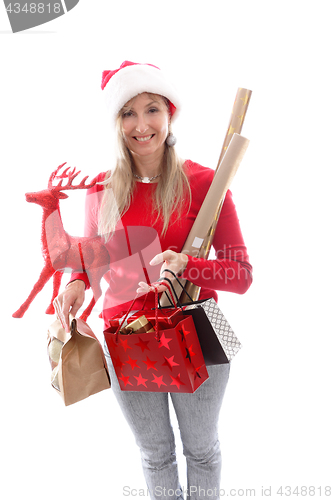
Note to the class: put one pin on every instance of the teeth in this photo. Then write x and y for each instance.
(143, 139)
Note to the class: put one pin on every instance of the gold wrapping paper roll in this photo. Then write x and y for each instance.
(139, 325)
(237, 118)
(210, 206)
(215, 195)
(235, 127)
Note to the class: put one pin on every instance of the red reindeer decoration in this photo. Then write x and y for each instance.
(62, 251)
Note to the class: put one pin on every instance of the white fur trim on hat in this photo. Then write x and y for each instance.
(132, 80)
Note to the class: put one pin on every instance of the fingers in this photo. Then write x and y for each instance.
(75, 307)
(166, 256)
(176, 262)
(145, 288)
(169, 259)
(69, 301)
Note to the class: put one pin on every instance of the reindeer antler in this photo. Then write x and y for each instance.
(70, 176)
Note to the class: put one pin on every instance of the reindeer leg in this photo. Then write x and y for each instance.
(88, 310)
(56, 286)
(45, 275)
(95, 277)
(97, 291)
(96, 271)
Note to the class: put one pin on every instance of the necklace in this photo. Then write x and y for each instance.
(146, 180)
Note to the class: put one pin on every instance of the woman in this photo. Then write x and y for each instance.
(145, 208)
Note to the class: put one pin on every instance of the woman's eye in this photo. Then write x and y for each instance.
(153, 110)
(127, 114)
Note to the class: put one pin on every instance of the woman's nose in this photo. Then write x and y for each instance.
(141, 125)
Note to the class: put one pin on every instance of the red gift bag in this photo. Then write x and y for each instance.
(168, 359)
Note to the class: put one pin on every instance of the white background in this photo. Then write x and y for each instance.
(276, 419)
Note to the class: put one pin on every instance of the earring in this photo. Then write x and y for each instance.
(171, 140)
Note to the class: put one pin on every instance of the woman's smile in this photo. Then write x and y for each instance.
(144, 138)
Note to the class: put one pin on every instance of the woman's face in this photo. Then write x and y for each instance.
(145, 124)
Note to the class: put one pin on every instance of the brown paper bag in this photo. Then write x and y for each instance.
(79, 367)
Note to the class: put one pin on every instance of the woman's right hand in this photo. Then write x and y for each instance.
(69, 301)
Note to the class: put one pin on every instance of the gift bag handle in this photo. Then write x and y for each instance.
(179, 283)
(172, 300)
(125, 317)
(129, 310)
(131, 307)
(154, 286)
(157, 336)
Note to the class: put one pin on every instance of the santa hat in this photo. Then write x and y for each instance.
(131, 79)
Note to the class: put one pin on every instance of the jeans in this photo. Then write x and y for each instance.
(147, 414)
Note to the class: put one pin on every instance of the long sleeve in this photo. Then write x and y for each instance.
(230, 270)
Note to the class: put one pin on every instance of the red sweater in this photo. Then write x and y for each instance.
(138, 239)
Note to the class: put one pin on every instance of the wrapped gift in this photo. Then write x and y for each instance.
(140, 325)
(166, 316)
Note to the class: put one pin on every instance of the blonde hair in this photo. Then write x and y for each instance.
(172, 191)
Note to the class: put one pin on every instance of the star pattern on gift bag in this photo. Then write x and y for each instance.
(196, 371)
(143, 344)
(183, 332)
(132, 362)
(164, 341)
(176, 381)
(124, 344)
(170, 362)
(158, 380)
(150, 364)
(189, 353)
(117, 363)
(141, 380)
(125, 380)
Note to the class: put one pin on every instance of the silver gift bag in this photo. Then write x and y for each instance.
(224, 333)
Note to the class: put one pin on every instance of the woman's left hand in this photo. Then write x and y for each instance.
(169, 259)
